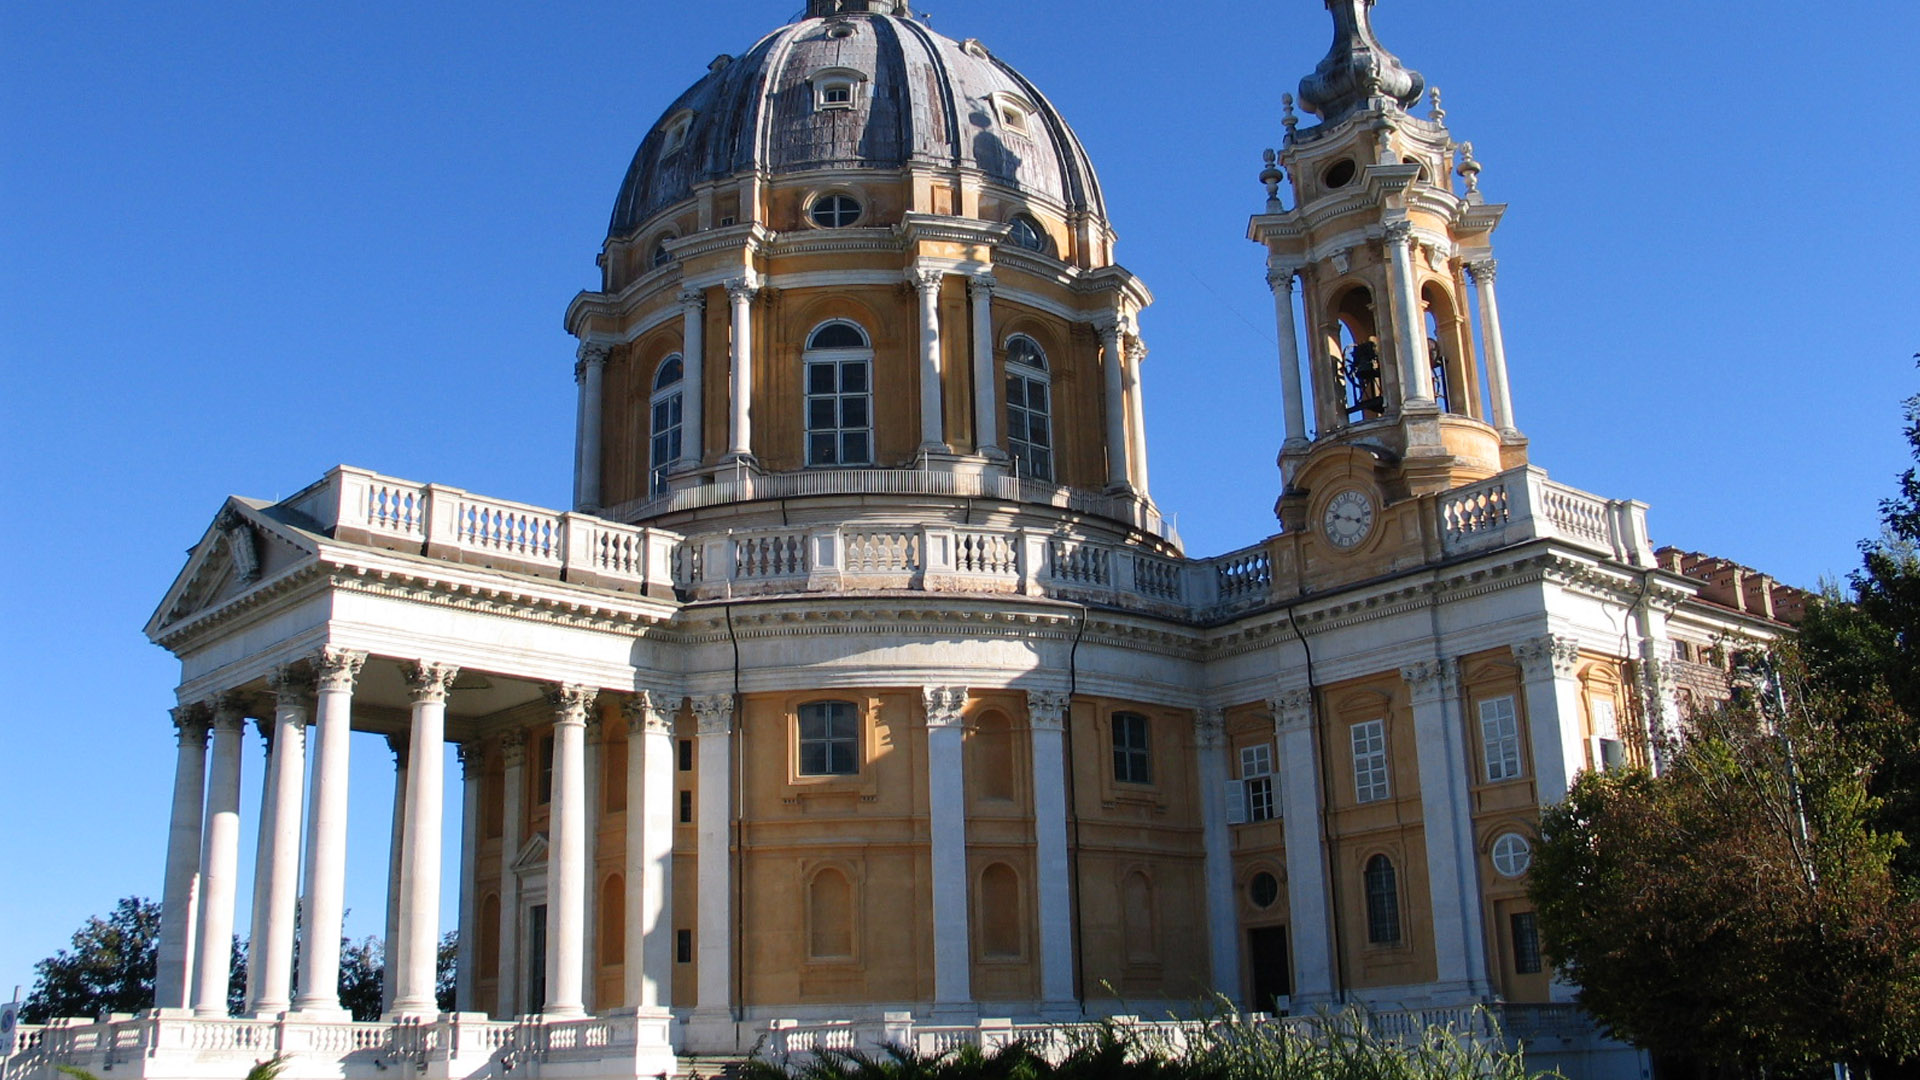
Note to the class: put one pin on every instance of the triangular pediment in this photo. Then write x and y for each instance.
(241, 547)
(532, 858)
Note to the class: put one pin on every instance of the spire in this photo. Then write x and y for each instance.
(1357, 68)
(821, 8)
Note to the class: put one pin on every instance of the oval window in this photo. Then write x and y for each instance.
(1340, 173)
(1263, 890)
(835, 211)
(1512, 855)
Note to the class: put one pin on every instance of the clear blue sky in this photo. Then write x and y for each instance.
(240, 243)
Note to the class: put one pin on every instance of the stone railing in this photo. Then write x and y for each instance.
(1522, 504)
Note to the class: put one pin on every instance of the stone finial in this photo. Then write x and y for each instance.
(1357, 68)
(1288, 118)
(1438, 112)
(1469, 169)
(1271, 177)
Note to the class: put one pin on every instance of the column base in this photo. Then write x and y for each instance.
(272, 1011)
(1061, 1010)
(321, 1014)
(710, 1031)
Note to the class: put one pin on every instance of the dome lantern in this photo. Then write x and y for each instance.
(1357, 68)
(819, 9)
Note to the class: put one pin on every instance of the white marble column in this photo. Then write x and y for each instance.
(1310, 923)
(179, 912)
(428, 684)
(1223, 922)
(1136, 352)
(590, 919)
(926, 282)
(693, 359)
(324, 904)
(513, 759)
(473, 770)
(1409, 326)
(1555, 713)
(1453, 864)
(263, 839)
(649, 857)
(1112, 361)
(1280, 280)
(219, 862)
(567, 853)
(947, 826)
(986, 401)
(400, 746)
(591, 374)
(280, 867)
(1492, 343)
(740, 294)
(1047, 717)
(714, 890)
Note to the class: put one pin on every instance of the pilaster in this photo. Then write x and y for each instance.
(1453, 867)
(1047, 717)
(1301, 805)
(947, 825)
(1223, 924)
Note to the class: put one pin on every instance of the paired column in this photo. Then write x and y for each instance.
(567, 868)
(1047, 718)
(179, 911)
(1112, 360)
(513, 759)
(1548, 666)
(219, 862)
(740, 294)
(1453, 865)
(649, 857)
(1136, 352)
(933, 435)
(1409, 331)
(986, 402)
(693, 359)
(714, 891)
(325, 901)
(428, 685)
(590, 374)
(1482, 273)
(280, 823)
(473, 770)
(947, 825)
(1312, 938)
(1223, 924)
(1280, 280)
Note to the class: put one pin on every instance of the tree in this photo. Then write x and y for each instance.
(446, 969)
(109, 968)
(362, 969)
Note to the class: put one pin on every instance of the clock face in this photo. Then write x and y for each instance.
(1348, 520)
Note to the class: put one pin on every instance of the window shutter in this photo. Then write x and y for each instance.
(1236, 792)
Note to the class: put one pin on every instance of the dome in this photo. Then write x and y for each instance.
(914, 97)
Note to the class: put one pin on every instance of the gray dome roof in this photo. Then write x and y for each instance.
(926, 99)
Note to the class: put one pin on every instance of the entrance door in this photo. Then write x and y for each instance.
(1272, 972)
(536, 958)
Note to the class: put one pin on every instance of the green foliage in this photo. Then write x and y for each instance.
(76, 1072)
(446, 970)
(269, 1069)
(109, 968)
(362, 967)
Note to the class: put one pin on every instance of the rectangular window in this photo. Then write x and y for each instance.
(1256, 772)
(1500, 738)
(829, 739)
(683, 946)
(1132, 756)
(1526, 944)
(839, 411)
(546, 770)
(686, 808)
(1370, 761)
(685, 750)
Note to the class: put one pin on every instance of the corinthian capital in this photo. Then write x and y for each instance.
(336, 669)
(1047, 710)
(191, 724)
(742, 289)
(713, 714)
(292, 684)
(693, 298)
(1210, 728)
(594, 352)
(1483, 271)
(1280, 279)
(1432, 679)
(944, 705)
(429, 682)
(1292, 709)
(1547, 656)
(1399, 233)
(981, 286)
(513, 749)
(570, 702)
(926, 278)
(650, 712)
(473, 760)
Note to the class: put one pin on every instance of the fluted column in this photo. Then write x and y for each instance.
(400, 746)
(649, 857)
(1492, 343)
(1281, 282)
(1309, 912)
(947, 826)
(1047, 718)
(740, 294)
(926, 283)
(513, 759)
(1112, 360)
(1223, 923)
(325, 901)
(219, 862)
(1453, 868)
(1409, 329)
(473, 770)
(280, 868)
(179, 911)
(1136, 352)
(986, 410)
(567, 872)
(428, 684)
(693, 358)
(714, 866)
(590, 373)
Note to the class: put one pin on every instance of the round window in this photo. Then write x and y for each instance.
(835, 211)
(1340, 173)
(1512, 855)
(1263, 890)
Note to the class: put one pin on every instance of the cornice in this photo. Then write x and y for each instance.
(176, 636)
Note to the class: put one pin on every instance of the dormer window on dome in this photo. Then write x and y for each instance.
(836, 88)
(1014, 114)
(676, 129)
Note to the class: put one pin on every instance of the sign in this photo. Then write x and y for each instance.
(9, 1027)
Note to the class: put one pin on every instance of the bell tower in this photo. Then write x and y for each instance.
(1376, 257)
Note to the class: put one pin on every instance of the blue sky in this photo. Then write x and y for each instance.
(240, 243)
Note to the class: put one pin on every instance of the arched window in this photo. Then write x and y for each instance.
(665, 445)
(829, 739)
(839, 382)
(661, 256)
(1026, 233)
(1383, 902)
(830, 916)
(1357, 363)
(1000, 913)
(992, 766)
(1029, 408)
(1439, 324)
(613, 921)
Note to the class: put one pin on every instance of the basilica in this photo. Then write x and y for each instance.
(865, 692)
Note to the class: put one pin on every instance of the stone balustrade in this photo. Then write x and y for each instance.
(1522, 504)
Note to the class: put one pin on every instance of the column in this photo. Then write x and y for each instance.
(1409, 329)
(649, 876)
(693, 357)
(513, 759)
(933, 435)
(1047, 717)
(263, 838)
(986, 401)
(714, 891)
(173, 980)
(428, 685)
(1453, 865)
(590, 373)
(1280, 280)
(280, 868)
(1136, 353)
(590, 919)
(219, 862)
(473, 770)
(324, 904)
(1223, 922)
(399, 745)
(1310, 929)
(1549, 666)
(567, 853)
(1111, 361)
(1492, 344)
(947, 826)
(740, 293)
